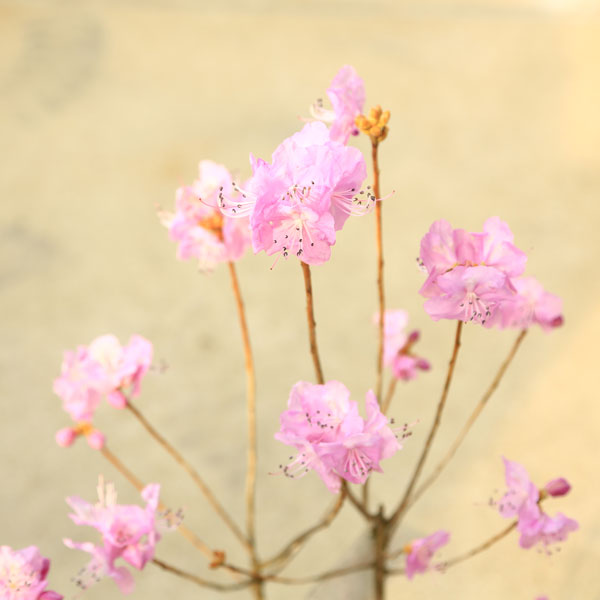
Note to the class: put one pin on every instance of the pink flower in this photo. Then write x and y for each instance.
(420, 552)
(469, 273)
(129, 532)
(298, 202)
(523, 501)
(102, 369)
(530, 304)
(397, 346)
(23, 575)
(347, 96)
(331, 437)
(198, 225)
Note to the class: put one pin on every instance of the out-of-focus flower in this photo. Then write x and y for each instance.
(420, 552)
(129, 532)
(347, 96)
(103, 369)
(331, 437)
(397, 345)
(23, 575)
(198, 226)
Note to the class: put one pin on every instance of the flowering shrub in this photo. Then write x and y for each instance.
(294, 207)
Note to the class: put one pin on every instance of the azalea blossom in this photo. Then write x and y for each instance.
(298, 201)
(523, 501)
(420, 552)
(347, 96)
(397, 345)
(103, 369)
(23, 575)
(129, 532)
(198, 226)
(323, 424)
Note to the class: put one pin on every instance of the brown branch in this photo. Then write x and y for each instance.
(312, 334)
(284, 556)
(251, 412)
(469, 423)
(356, 502)
(462, 557)
(212, 500)
(380, 288)
(389, 395)
(138, 485)
(223, 587)
(436, 423)
(321, 576)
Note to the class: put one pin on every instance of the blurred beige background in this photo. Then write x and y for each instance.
(108, 106)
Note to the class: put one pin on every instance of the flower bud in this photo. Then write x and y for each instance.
(65, 437)
(95, 439)
(558, 487)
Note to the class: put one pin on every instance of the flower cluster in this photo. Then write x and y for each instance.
(397, 345)
(129, 532)
(522, 500)
(198, 226)
(23, 575)
(323, 424)
(477, 277)
(347, 96)
(102, 369)
(420, 552)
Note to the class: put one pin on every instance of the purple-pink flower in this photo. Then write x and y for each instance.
(198, 226)
(298, 202)
(128, 531)
(477, 277)
(420, 552)
(23, 575)
(323, 424)
(397, 345)
(103, 369)
(347, 96)
(522, 500)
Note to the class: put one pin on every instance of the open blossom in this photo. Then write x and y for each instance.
(331, 437)
(522, 500)
(103, 369)
(420, 552)
(23, 575)
(397, 345)
(198, 226)
(128, 531)
(298, 202)
(347, 96)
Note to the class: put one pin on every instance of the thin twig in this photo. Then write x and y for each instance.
(312, 333)
(191, 472)
(282, 558)
(436, 423)
(184, 531)
(321, 576)
(461, 557)
(380, 287)
(251, 411)
(469, 423)
(356, 502)
(223, 587)
(389, 395)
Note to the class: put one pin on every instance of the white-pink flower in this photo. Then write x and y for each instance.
(198, 226)
(103, 369)
(347, 96)
(420, 552)
(128, 531)
(23, 575)
(323, 424)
